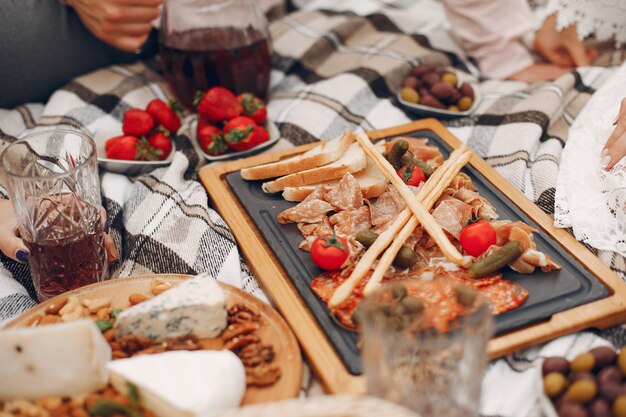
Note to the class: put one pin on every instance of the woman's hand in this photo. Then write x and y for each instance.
(13, 246)
(615, 146)
(562, 48)
(123, 24)
(539, 72)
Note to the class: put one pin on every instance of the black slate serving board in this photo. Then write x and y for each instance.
(549, 293)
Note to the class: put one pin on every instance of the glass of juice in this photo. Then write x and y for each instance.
(425, 345)
(209, 43)
(52, 178)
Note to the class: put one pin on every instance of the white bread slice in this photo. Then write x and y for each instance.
(372, 182)
(323, 154)
(353, 160)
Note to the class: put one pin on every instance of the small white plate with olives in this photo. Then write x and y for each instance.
(437, 92)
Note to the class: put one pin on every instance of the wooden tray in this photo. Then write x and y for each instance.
(327, 365)
(273, 329)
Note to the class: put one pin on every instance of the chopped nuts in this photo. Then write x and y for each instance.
(34, 320)
(55, 307)
(136, 298)
(75, 314)
(49, 403)
(104, 313)
(158, 289)
(95, 304)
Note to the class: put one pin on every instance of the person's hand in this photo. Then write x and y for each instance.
(13, 246)
(562, 48)
(615, 147)
(539, 72)
(123, 24)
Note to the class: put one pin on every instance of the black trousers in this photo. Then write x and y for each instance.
(43, 45)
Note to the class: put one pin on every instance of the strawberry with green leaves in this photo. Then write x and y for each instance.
(137, 122)
(161, 144)
(218, 104)
(212, 140)
(164, 115)
(238, 133)
(253, 107)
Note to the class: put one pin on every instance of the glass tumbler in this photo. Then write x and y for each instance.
(209, 43)
(419, 354)
(52, 178)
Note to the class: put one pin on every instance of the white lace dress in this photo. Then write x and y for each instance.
(589, 199)
(604, 19)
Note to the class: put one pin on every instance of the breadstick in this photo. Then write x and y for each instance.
(428, 199)
(423, 216)
(385, 238)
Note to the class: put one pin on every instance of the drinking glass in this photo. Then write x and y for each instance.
(52, 178)
(413, 357)
(208, 43)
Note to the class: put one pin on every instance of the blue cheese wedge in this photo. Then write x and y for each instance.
(195, 306)
(182, 383)
(64, 359)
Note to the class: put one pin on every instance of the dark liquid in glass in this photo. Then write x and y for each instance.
(63, 264)
(237, 59)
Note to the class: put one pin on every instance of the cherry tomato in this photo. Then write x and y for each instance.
(412, 175)
(476, 238)
(329, 252)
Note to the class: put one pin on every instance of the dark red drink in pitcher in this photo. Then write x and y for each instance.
(208, 43)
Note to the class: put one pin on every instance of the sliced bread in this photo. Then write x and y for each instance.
(372, 182)
(323, 154)
(353, 160)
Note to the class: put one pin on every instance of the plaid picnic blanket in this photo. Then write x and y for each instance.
(336, 66)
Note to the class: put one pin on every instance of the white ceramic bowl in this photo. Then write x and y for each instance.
(121, 166)
(271, 129)
(427, 111)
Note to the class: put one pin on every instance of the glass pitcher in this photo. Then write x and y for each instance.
(208, 43)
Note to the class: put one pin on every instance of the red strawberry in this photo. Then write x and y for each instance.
(137, 122)
(219, 104)
(259, 135)
(122, 147)
(212, 141)
(253, 107)
(164, 115)
(238, 133)
(161, 144)
(202, 122)
(207, 134)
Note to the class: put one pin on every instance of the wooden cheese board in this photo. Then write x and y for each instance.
(607, 307)
(273, 329)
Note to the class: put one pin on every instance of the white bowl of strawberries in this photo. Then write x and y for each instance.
(144, 142)
(230, 126)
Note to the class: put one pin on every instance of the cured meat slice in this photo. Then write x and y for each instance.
(531, 259)
(312, 209)
(386, 207)
(348, 222)
(503, 230)
(452, 215)
(504, 295)
(347, 195)
(461, 181)
(483, 209)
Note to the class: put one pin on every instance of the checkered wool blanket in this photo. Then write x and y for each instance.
(336, 66)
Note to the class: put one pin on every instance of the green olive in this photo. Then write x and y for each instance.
(413, 305)
(621, 360)
(619, 406)
(452, 107)
(405, 258)
(554, 384)
(410, 94)
(583, 362)
(582, 391)
(398, 292)
(465, 295)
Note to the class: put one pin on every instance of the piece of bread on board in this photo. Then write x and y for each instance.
(323, 154)
(353, 160)
(372, 182)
